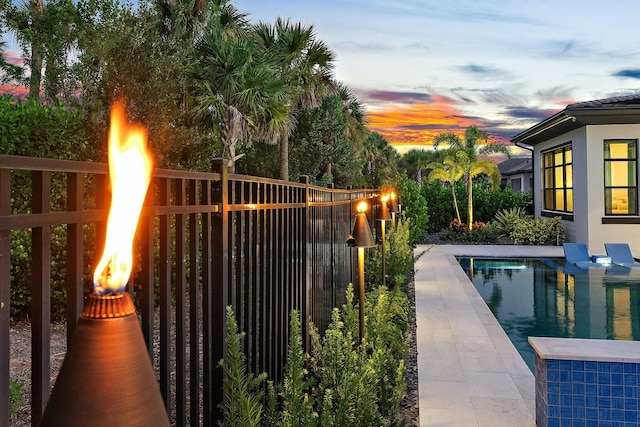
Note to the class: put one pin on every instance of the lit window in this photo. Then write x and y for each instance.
(558, 179)
(620, 177)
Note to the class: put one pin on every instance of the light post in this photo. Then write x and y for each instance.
(383, 218)
(361, 238)
(393, 208)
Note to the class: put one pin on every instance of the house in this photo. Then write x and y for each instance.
(585, 170)
(517, 171)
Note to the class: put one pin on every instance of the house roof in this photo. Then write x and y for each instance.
(516, 165)
(616, 110)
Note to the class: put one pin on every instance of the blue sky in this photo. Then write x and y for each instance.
(426, 66)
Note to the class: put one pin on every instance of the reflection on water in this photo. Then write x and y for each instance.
(545, 298)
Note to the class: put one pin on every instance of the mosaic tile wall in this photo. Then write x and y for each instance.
(576, 393)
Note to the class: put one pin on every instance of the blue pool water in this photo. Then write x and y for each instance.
(545, 298)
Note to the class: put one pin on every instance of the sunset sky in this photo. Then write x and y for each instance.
(423, 67)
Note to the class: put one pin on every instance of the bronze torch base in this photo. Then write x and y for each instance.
(106, 378)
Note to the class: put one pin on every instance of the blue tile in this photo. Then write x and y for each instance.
(565, 365)
(553, 364)
(591, 366)
(579, 423)
(631, 404)
(577, 376)
(554, 411)
(604, 414)
(631, 392)
(629, 379)
(591, 401)
(604, 402)
(553, 398)
(592, 423)
(553, 387)
(565, 412)
(578, 412)
(617, 403)
(631, 416)
(553, 422)
(604, 390)
(591, 414)
(629, 368)
(566, 388)
(579, 401)
(565, 399)
(604, 367)
(604, 378)
(617, 424)
(617, 415)
(565, 376)
(616, 379)
(605, 424)
(577, 365)
(554, 375)
(591, 390)
(578, 388)
(616, 367)
(617, 391)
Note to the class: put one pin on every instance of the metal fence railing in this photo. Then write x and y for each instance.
(205, 241)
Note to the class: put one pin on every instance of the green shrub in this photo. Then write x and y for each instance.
(481, 234)
(507, 219)
(538, 231)
(414, 208)
(241, 405)
(15, 396)
(399, 256)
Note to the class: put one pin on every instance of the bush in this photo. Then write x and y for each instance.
(481, 233)
(507, 219)
(414, 207)
(538, 231)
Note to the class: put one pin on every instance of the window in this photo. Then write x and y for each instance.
(558, 179)
(620, 177)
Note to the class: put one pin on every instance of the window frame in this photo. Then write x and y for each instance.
(634, 161)
(553, 187)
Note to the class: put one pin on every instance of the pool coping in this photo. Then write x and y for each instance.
(469, 372)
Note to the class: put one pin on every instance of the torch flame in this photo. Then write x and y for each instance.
(130, 167)
(393, 196)
(385, 198)
(362, 207)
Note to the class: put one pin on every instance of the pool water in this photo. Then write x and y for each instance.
(545, 298)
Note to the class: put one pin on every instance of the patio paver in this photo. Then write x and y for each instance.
(470, 374)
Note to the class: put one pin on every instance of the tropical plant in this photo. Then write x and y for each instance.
(538, 231)
(241, 404)
(8, 72)
(414, 208)
(237, 88)
(507, 219)
(476, 141)
(305, 64)
(448, 172)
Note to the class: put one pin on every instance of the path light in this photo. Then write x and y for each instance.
(106, 378)
(383, 218)
(361, 238)
(393, 207)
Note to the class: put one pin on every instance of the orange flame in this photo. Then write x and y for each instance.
(362, 207)
(130, 168)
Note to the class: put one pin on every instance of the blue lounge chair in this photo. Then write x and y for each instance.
(621, 255)
(578, 254)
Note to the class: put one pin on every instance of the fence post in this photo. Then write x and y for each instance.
(5, 306)
(306, 286)
(219, 281)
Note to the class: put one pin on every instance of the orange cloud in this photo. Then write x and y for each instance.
(417, 123)
(14, 90)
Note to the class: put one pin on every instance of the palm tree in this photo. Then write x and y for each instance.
(449, 172)
(472, 168)
(305, 64)
(236, 86)
(10, 72)
(475, 140)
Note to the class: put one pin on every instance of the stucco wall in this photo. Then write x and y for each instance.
(588, 187)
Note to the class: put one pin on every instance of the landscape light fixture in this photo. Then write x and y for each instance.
(361, 238)
(393, 207)
(383, 218)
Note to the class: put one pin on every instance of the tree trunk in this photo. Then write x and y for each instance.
(470, 201)
(455, 202)
(35, 79)
(284, 158)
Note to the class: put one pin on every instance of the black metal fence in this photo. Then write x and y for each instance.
(205, 241)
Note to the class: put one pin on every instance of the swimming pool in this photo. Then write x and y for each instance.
(545, 298)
